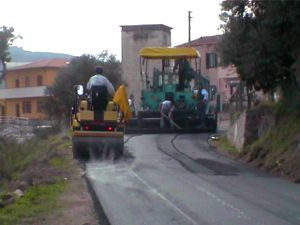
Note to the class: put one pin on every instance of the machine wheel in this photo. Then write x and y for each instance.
(211, 123)
(140, 121)
(119, 152)
(79, 151)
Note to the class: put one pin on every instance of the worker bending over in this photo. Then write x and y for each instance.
(166, 109)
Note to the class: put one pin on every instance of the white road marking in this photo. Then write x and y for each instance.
(222, 202)
(155, 191)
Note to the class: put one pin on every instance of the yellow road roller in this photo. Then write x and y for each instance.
(97, 123)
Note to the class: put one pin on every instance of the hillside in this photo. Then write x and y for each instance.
(277, 150)
(268, 137)
(20, 55)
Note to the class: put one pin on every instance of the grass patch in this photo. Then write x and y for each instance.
(37, 200)
(59, 162)
(14, 157)
(278, 149)
(42, 163)
(223, 145)
(59, 143)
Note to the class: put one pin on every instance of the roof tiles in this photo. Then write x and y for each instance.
(203, 41)
(144, 27)
(56, 63)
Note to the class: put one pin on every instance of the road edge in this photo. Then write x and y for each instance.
(103, 219)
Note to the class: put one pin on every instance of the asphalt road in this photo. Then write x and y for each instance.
(180, 180)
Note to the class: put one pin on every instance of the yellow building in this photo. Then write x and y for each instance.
(25, 88)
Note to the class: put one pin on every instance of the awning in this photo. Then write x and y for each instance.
(169, 53)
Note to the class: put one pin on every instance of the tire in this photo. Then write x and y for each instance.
(79, 151)
(119, 152)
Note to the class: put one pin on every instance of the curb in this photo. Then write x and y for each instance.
(97, 204)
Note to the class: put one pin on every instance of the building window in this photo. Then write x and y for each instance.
(27, 82)
(39, 108)
(211, 60)
(39, 80)
(17, 83)
(27, 107)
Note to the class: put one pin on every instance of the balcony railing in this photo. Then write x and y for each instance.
(26, 92)
(14, 120)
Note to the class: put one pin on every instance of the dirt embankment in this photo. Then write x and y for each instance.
(54, 188)
(278, 149)
(75, 204)
(271, 140)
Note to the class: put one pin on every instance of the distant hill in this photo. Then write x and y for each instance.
(18, 54)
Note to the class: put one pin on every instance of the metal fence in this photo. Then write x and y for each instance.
(241, 100)
(238, 101)
(14, 120)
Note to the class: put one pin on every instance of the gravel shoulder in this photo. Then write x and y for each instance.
(76, 203)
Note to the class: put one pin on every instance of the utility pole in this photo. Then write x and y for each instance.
(189, 17)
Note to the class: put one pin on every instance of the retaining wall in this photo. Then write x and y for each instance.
(250, 125)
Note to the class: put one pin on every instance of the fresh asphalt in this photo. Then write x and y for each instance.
(180, 180)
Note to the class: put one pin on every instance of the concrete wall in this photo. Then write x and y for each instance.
(250, 125)
(134, 38)
(236, 132)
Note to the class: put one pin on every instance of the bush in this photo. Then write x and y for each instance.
(14, 156)
(43, 132)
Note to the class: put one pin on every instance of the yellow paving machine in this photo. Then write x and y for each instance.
(172, 72)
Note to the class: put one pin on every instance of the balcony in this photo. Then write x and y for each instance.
(28, 92)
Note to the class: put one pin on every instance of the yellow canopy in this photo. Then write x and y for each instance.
(169, 53)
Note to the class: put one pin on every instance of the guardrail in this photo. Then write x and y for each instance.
(14, 120)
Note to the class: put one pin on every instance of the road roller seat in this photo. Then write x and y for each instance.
(99, 97)
(83, 105)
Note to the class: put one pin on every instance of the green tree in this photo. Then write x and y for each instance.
(6, 39)
(79, 71)
(261, 40)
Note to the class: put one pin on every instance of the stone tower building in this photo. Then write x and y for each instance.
(135, 37)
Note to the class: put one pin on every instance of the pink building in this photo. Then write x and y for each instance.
(224, 78)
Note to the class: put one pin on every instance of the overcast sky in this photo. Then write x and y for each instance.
(89, 26)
